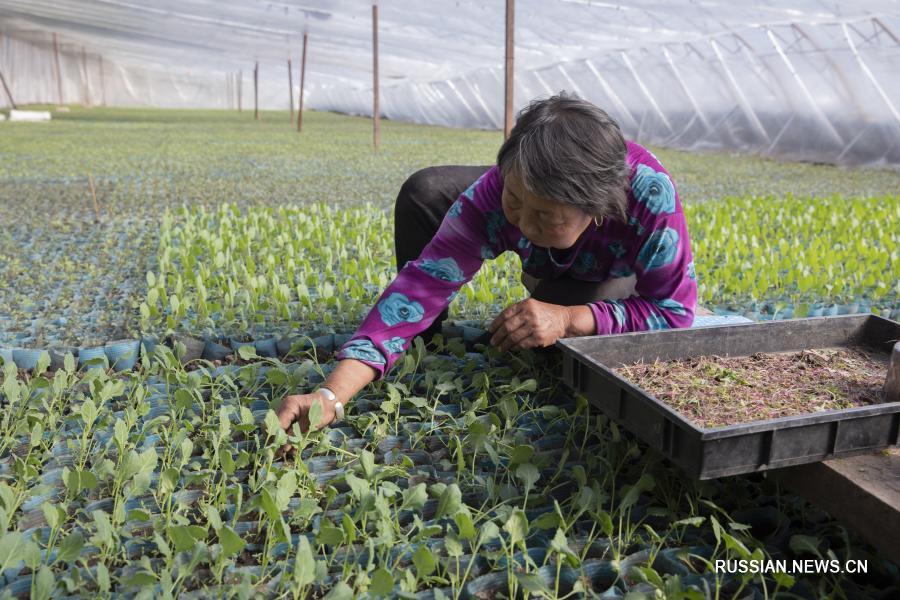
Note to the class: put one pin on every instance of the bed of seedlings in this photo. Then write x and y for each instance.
(463, 474)
(67, 281)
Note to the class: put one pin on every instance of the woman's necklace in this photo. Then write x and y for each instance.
(569, 259)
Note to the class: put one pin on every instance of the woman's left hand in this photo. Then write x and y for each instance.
(529, 324)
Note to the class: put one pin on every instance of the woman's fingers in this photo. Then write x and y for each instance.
(289, 411)
(506, 313)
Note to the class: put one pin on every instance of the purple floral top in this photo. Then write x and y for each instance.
(652, 244)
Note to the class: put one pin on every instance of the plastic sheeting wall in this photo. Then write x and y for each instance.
(826, 92)
(793, 79)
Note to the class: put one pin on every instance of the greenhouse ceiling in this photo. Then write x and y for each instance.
(691, 73)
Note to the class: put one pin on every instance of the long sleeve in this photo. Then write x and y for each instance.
(659, 255)
(424, 287)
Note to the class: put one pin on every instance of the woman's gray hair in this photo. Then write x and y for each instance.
(569, 150)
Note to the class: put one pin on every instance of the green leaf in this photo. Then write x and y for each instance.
(805, 544)
(42, 363)
(247, 352)
(43, 584)
(464, 525)
(533, 584)
(415, 497)
(69, 363)
(70, 548)
(516, 526)
(329, 536)
(450, 501)
(231, 542)
(367, 462)
(528, 474)
(423, 559)
(341, 591)
(181, 537)
(304, 563)
(315, 413)
(520, 454)
(382, 583)
(141, 579)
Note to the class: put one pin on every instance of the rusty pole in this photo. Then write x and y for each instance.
(508, 87)
(375, 111)
(302, 80)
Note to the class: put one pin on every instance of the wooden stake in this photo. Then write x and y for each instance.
(256, 91)
(85, 83)
(240, 90)
(291, 90)
(375, 110)
(8, 93)
(58, 70)
(94, 197)
(302, 79)
(508, 67)
(102, 82)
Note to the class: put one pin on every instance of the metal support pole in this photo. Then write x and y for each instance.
(85, 83)
(256, 91)
(509, 64)
(102, 83)
(375, 110)
(291, 90)
(302, 80)
(240, 90)
(58, 70)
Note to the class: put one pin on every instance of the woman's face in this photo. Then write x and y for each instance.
(546, 223)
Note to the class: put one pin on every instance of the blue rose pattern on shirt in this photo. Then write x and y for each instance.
(394, 345)
(618, 310)
(487, 253)
(654, 189)
(584, 262)
(635, 222)
(621, 272)
(397, 308)
(363, 350)
(455, 209)
(656, 322)
(444, 268)
(659, 250)
(524, 242)
(617, 249)
(470, 191)
(673, 306)
(495, 222)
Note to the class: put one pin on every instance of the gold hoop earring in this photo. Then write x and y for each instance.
(596, 222)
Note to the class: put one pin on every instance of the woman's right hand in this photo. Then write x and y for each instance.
(295, 409)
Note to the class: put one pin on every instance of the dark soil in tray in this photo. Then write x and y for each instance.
(713, 391)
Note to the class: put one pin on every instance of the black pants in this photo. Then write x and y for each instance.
(425, 198)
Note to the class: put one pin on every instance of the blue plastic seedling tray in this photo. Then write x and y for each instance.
(746, 447)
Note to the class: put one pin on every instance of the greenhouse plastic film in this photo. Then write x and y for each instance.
(802, 80)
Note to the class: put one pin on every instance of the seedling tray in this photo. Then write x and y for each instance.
(746, 447)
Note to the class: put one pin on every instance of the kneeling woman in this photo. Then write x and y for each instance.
(595, 219)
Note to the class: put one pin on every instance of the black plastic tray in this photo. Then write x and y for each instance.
(746, 447)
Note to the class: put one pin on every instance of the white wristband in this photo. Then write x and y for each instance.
(338, 406)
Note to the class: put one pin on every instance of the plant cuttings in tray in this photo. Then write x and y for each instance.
(713, 391)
